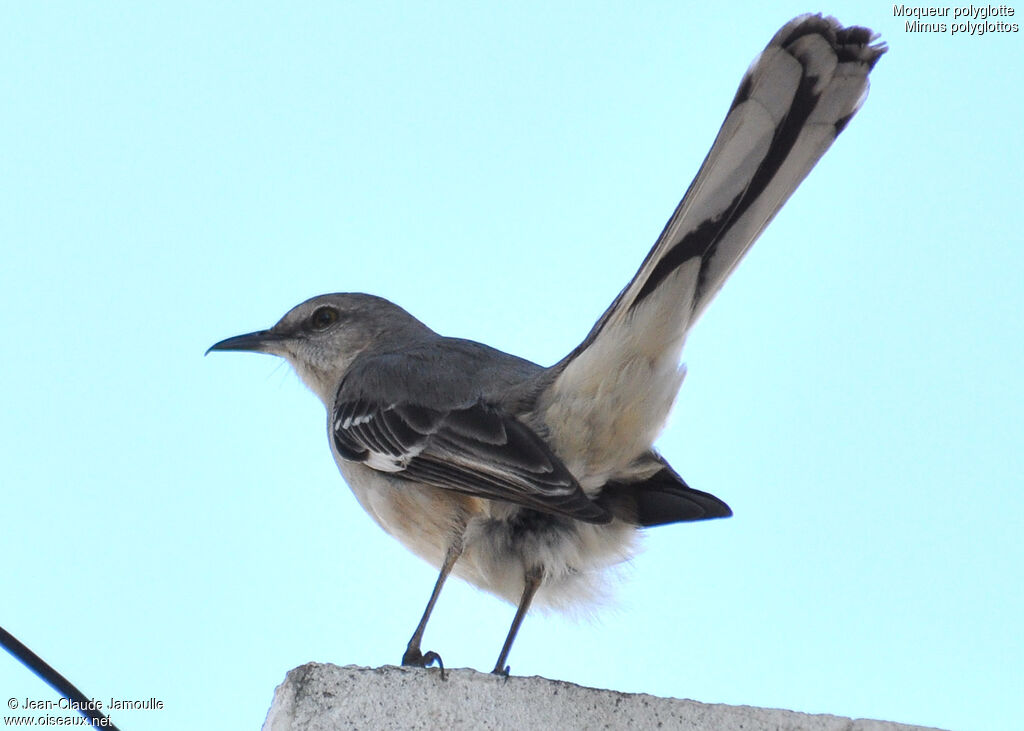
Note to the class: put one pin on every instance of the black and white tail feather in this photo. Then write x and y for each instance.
(796, 97)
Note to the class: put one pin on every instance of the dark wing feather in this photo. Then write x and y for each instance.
(476, 450)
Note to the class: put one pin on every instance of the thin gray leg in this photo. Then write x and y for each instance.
(533, 580)
(413, 655)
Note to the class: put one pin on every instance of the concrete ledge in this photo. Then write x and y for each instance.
(318, 697)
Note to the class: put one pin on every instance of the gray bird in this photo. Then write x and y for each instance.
(530, 482)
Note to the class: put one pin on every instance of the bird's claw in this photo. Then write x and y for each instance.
(413, 657)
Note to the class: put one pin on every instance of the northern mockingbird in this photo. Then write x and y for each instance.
(528, 481)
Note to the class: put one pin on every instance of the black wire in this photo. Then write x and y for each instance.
(54, 679)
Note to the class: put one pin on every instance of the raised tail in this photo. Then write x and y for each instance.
(611, 395)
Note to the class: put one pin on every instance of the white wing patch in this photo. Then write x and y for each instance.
(352, 421)
(394, 458)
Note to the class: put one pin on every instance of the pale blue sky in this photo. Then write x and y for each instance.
(175, 173)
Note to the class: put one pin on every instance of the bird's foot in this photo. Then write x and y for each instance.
(501, 672)
(413, 657)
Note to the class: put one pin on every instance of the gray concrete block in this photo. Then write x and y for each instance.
(317, 697)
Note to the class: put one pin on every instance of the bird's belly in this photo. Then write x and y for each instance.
(500, 542)
(423, 518)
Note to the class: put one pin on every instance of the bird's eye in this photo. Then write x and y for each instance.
(323, 317)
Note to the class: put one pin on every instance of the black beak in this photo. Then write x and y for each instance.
(256, 342)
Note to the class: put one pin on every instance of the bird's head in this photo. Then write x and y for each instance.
(323, 335)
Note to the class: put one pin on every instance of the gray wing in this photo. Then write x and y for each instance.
(469, 446)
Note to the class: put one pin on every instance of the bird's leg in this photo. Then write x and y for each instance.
(413, 655)
(534, 577)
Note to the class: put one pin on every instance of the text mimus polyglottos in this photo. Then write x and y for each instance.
(529, 481)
